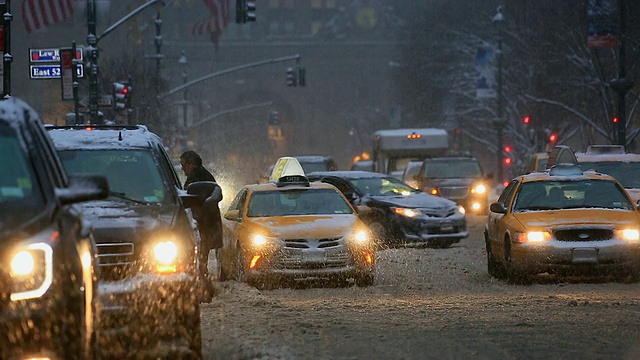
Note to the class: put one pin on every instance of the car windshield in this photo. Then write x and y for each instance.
(20, 196)
(552, 195)
(132, 174)
(627, 173)
(452, 169)
(382, 186)
(297, 202)
(311, 166)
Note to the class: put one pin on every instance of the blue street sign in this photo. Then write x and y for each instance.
(50, 55)
(51, 71)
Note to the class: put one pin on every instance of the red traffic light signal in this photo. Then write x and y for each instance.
(526, 120)
(553, 137)
(507, 161)
(507, 149)
(615, 120)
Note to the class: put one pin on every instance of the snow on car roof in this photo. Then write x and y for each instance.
(13, 109)
(312, 158)
(96, 137)
(627, 157)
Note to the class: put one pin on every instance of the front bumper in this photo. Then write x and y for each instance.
(610, 257)
(313, 263)
(32, 328)
(433, 230)
(146, 310)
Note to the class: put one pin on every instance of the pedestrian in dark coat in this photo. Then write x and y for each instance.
(208, 216)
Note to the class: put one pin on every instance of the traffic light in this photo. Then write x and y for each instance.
(553, 137)
(245, 11)
(292, 77)
(508, 149)
(526, 120)
(121, 95)
(507, 160)
(614, 120)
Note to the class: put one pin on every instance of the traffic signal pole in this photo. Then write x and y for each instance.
(227, 71)
(92, 48)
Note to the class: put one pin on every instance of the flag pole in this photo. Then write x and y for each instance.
(6, 58)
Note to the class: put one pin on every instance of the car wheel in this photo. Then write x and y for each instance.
(379, 234)
(513, 276)
(193, 334)
(493, 267)
(365, 279)
(240, 273)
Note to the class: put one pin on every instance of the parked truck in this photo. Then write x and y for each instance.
(393, 149)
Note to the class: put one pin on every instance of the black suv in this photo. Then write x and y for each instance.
(48, 258)
(152, 274)
(457, 178)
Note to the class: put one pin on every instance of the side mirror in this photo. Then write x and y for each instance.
(498, 208)
(232, 215)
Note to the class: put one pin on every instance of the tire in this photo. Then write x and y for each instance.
(240, 271)
(194, 334)
(493, 267)
(380, 234)
(365, 280)
(513, 276)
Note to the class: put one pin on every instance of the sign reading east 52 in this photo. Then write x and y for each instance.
(51, 71)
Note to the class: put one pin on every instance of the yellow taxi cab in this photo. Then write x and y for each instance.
(563, 222)
(290, 228)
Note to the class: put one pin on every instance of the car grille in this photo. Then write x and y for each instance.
(454, 192)
(334, 254)
(582, 234)
(116, 260)
(312, 243)
(438, 213)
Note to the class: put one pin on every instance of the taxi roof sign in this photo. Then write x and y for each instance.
(286, 166)
(288, 170)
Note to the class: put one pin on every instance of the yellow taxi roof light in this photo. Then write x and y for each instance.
(288, 171)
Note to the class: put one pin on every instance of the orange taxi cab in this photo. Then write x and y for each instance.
(290, 228)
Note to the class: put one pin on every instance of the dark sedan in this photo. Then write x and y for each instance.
(401, 215)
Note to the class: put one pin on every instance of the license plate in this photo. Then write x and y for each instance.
(446, 227)
(313, 256)
(585, 255)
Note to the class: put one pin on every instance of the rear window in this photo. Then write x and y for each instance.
(627, 173)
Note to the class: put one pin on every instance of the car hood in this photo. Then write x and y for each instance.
(114, 221)
(308, 226)
(578, 217)
(415, 200)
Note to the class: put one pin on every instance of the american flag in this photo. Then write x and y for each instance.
(216, 22)
(38, 14)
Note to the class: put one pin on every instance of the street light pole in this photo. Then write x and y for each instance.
(499, 122)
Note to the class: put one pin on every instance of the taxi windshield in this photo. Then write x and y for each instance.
(554, 195)
(452, 169)
(297, 202)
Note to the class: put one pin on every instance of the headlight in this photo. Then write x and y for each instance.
(629, 234)
(360, 237)
(31, 271)
(258, 240)
(406, 212)
(461, 209)
(479, 189)
(165, 252)
(531, 237)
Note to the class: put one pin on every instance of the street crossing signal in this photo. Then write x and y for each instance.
(292, 77)
(245, 11)
(121, 95)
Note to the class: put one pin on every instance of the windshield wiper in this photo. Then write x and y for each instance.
(124, 196)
